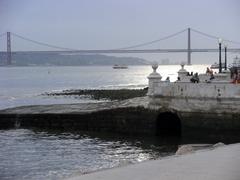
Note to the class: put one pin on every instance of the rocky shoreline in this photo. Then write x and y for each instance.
(102, 94)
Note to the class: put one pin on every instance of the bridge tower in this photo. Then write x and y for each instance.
(9, 54)
(189, 47)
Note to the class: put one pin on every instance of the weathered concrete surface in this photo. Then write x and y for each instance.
(125, 117)
(201, 113)
(132, 116)
(222, 163)
(209, 104)
(82, 108)
(195, 104)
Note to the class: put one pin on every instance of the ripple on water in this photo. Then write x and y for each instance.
(27, 154)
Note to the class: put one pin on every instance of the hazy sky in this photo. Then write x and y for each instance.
(107, 24)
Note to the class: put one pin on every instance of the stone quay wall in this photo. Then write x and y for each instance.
(130, 120)
(152, 115)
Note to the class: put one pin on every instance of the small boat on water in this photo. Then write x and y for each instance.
(235, 64)
(116, 66)
(231, 67)
(216, 65)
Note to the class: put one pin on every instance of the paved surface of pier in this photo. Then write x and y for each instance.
(76, 108)
(221, 163)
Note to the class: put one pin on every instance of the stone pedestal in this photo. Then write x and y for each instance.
(153, 80)
(182, 73)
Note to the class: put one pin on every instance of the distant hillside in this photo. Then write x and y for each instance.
(58, 59)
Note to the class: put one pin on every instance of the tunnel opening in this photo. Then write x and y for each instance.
(168, 124)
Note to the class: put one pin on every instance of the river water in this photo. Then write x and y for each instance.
(24, 85)
(40, 155)
(32, 155)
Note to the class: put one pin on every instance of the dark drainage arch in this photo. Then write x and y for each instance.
(168, 124)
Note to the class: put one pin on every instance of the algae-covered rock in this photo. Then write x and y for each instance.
(97, 94)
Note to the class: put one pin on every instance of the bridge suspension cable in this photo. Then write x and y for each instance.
(123, 48)
(152, 42)
(43, 44)
(214, 37)
(118, 49)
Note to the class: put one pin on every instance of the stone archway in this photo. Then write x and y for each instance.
(168, 124)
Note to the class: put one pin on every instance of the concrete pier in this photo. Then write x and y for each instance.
(132, 117)
(126, 117)
(217, 164)
(211, 104)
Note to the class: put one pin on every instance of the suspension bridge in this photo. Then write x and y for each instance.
(127, 49)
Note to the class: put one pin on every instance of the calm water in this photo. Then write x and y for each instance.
(24, 85)
(28, 154)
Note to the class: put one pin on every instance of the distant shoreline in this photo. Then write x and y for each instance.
(94, 65)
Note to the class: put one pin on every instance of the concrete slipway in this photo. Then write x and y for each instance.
(221, 163)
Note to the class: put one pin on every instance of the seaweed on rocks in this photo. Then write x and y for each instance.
(98, 94)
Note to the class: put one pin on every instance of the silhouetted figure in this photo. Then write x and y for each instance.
(167, 80)
(195, 78)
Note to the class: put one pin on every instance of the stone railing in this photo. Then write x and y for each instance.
(218, 87)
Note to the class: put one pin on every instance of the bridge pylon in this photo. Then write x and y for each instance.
(189, 47)
(9, 53)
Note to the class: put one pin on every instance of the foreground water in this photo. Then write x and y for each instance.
(37, 155)
(27, 154)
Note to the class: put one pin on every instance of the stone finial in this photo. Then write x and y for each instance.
(182, 65)
(182, 70)
(154, 67)
(154, 74)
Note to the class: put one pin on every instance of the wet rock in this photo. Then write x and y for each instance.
(185, 149)
(220, 144)
(100, 94)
